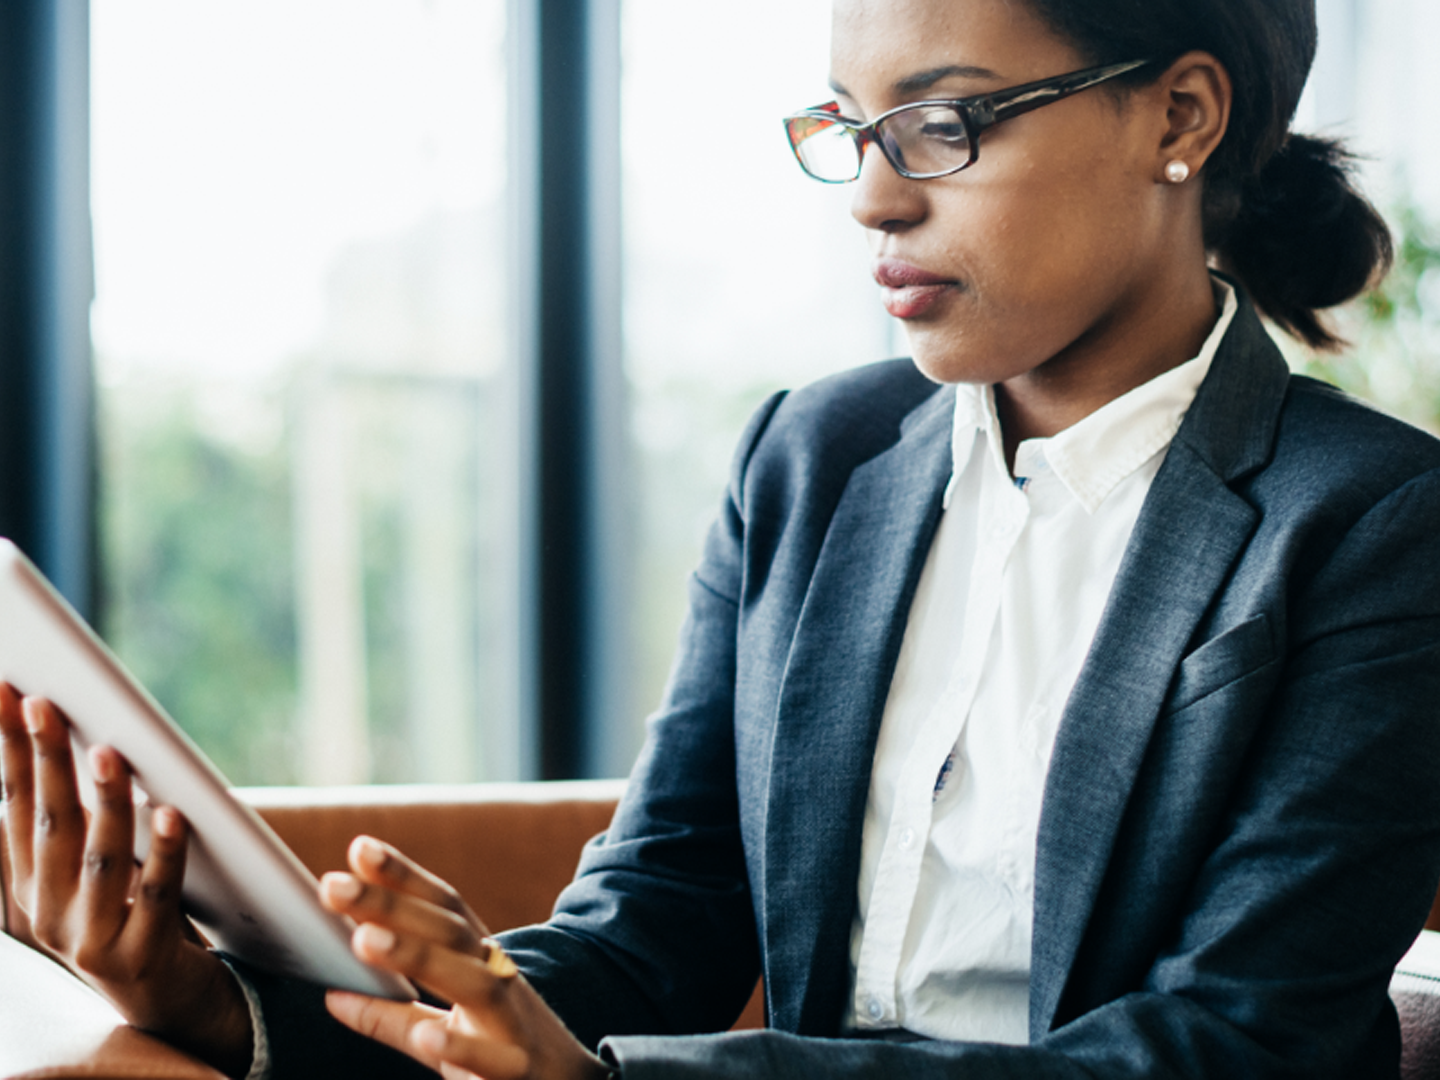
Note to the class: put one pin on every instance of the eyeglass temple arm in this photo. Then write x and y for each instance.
(1018, 100)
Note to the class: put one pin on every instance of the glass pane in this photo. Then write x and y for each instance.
(742, 277)
(300, 339)
(1375, 83)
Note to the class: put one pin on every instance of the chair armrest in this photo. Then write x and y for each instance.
(1415, 989)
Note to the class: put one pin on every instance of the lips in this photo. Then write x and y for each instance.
(909, 291)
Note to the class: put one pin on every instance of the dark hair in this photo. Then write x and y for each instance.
(1280, 213)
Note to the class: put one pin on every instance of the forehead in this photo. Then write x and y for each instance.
(882, 41)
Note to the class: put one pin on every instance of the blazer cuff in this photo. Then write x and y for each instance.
(260, 1059)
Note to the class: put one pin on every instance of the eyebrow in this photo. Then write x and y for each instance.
(923, 80)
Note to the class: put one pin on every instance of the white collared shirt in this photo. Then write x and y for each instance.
(1007, 605)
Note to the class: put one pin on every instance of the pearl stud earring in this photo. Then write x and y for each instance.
(1177, 172)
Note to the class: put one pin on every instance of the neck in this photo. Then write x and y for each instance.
(1124, 350)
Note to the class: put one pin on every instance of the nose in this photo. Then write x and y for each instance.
(884, 200)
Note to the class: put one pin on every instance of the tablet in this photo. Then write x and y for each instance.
(244, 888)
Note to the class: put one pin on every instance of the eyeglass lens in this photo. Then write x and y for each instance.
(925, 140)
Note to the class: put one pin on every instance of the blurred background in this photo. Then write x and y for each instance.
(324, 524)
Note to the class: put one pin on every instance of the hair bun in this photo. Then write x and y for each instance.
(1303, 238)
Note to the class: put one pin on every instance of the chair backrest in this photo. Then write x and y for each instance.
(507, 848)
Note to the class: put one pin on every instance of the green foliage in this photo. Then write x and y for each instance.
(199, 577)
(1393, 359)
(1416, 253)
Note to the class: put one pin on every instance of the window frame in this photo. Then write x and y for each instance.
(47, 443)
(570, 716)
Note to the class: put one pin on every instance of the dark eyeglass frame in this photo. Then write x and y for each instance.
(977, 114)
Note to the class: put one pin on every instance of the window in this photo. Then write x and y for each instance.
(1375, 84)
(300, 345)
(376, 502)
(742, 276)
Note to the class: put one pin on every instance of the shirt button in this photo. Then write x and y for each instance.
(874, 1009)
(907, 839)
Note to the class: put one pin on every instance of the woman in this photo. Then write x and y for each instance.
(1058, 704)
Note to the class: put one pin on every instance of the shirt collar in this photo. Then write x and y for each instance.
(1093, 456)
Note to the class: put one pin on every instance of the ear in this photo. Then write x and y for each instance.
(1197, 93)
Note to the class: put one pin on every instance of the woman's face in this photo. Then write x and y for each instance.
(1051, 240)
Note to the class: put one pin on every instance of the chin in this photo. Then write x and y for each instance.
(943, 359)
(939, 373)
(929, 356)
(946, 353)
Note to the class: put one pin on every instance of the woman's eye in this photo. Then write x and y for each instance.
(944, 131)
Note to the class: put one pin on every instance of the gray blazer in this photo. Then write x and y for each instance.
(1241, 826)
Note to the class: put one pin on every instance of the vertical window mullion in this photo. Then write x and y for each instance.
(47, 445)
(565, 198)
(609, 744)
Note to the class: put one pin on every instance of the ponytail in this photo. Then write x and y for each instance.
(1298, 235)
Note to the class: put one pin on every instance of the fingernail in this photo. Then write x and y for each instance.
(102, 765)
(166, 822)
(376, 938)
(340, 887)
(34, 717)
(371, 853)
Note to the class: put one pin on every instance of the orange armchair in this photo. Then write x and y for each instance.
(508, 848)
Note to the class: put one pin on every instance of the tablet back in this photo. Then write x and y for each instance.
(243, 887)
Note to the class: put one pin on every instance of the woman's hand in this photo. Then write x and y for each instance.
(117, 926)
(413, 923)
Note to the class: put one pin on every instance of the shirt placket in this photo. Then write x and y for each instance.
(1003, 512)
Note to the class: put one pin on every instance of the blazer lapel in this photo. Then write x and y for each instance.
(837, 677)
(1189, 534)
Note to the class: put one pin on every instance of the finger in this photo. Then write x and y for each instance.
(155, 920)
(422, 1032)
(59, 829)
(389, 1022)
(467, 1054)
(17, 773)
(454, 1072)
(110, 847)
(377, 863)
(348, 895)
(456, 977)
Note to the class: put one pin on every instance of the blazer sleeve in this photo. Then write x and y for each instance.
(1315, 884)
(658, 931)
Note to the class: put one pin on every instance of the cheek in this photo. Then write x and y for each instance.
(1049, 233)
(1041, 261)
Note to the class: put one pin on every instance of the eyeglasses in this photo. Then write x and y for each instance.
(925, 139)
